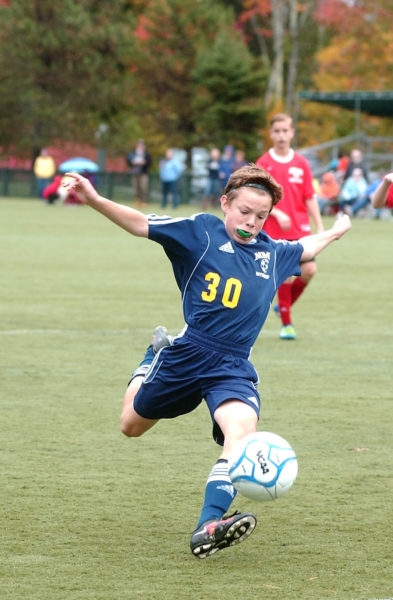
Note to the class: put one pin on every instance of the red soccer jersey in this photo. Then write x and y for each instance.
(389, 197)
(294, 174)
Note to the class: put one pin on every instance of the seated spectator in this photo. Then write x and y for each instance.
(328, 194)
(366, 199)
(356, 162)
(51, 192)
(353, 190)
(55, 193)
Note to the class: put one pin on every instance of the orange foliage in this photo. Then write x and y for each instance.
(356, 64)
(360, 54)
(256, 8)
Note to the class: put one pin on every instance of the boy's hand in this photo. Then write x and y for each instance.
(80, 185)
(283, 219)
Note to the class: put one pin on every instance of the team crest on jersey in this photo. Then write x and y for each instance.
(264, 258)
(295, 175)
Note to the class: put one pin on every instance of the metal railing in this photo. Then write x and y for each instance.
(21, 183)
(321, 155)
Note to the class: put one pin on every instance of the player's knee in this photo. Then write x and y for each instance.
(132, 425)
(129, 426)
(238, 431)
(130, 429)
(309, 270)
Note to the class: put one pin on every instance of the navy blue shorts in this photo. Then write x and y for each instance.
(193, 368)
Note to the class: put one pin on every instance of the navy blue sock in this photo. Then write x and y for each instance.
(144, 365)
(219, 493)
(149, 356)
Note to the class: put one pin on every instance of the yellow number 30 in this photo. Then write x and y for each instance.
(231, 295)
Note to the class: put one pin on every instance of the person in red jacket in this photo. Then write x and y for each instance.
(290, 219)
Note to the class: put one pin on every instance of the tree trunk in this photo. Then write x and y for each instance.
(293, 56)
(275, 88)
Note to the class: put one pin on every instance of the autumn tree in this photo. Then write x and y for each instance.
(196, 80)
(284, 36)
(358, 56)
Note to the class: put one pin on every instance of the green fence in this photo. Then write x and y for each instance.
(21, 183)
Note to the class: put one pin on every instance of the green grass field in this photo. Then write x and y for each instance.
(89, 514)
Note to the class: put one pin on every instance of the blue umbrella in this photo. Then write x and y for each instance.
(79, 165)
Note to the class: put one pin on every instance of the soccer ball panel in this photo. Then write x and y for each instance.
(262, 466)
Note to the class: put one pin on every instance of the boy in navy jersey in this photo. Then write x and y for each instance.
(228, 273)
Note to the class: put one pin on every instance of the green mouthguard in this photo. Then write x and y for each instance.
(243, 234)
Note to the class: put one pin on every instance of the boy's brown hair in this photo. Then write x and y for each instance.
(253, 176)
(281, 117)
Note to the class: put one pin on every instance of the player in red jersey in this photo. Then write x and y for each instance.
(383, 195)
(290, 219)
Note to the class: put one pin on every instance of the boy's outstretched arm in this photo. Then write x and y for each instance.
(378, 198)
(126, 217)
(314, 244)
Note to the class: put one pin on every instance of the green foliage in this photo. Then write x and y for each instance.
(65, 69)
(228, 92)
(180, 44)
(180, 72)
(88, 514)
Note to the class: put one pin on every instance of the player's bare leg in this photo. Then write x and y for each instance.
(309, 270)
(236, 419)
(132, 424)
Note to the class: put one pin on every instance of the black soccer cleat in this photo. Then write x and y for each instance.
(212, 536)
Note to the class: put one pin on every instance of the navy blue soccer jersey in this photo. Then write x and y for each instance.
(226, 287)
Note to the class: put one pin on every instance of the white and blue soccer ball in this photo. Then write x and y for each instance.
(262, 466)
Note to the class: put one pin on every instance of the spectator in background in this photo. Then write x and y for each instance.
(51, 193)
(44, 169)
(353, 192)
(139, 162)
(170, 170)
(239, 160)
(56, 193)
(92, 177)
(356, 162)
(366, 199)
(328, 193)
(342, 165)
(213, 183)
(339, 165)
(226, 165)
